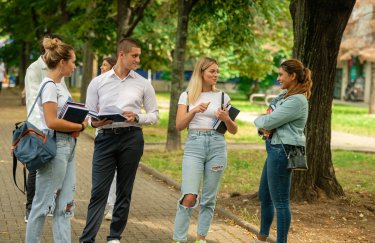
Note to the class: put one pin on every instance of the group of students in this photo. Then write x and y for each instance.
(118, 146)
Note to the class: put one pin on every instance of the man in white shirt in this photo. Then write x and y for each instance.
(35, 73)
(2, 74)
(118, 145)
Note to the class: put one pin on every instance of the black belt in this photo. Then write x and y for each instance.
(118, 130)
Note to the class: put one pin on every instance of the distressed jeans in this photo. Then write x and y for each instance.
(55, 186)
(205, 156)
(274, 192)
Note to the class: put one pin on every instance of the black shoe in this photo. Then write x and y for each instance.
(27, 215)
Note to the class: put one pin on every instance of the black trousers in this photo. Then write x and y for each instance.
(31, 177)
(122, 151)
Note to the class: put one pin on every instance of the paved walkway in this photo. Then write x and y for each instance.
(152, 209)
(339, 140)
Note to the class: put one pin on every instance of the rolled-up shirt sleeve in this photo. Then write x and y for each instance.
(289, 111)
(150, 105)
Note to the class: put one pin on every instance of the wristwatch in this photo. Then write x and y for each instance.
(136, 118)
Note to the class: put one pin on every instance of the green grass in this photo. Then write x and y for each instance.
(345, 118)
(354, 171)
(352, 119)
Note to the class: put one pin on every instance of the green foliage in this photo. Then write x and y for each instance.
(242, 35)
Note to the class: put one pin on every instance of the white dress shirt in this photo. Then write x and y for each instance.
(129, 94)
(35, 74)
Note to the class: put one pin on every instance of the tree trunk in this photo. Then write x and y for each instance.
(372, 90)
(123, 18)
(128, 17)
(174, 136)
(318, 28)
(24, 62)
(88, 61)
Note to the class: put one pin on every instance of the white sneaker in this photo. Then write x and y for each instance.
(108, 215)
(113, 241)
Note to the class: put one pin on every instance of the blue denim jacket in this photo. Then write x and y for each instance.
(288, 118)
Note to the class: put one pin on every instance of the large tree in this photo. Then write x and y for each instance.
(184, 9)
(220, 29)
(318, 28)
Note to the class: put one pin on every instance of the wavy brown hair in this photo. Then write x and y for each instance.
(303, 77)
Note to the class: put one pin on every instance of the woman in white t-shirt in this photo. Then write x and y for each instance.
(205, 154)
(55, 182)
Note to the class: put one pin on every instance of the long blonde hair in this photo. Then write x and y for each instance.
(303, 77)
(195, 84)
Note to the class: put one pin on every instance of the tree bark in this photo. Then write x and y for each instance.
(128, 17)
(184, 9)
(24, 61)
(88, 61)
(318, 28)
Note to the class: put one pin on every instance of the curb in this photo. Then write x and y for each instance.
(221, 211)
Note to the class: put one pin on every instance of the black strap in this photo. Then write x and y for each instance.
(222, 100)
(187, 101)
(24, 175)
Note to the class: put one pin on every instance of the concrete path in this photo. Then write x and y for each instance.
(339, 140)
(152, 210)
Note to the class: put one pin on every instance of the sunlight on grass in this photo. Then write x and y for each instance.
(355, 171)
(353, 119)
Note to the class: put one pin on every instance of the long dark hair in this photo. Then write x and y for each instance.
(303, 77)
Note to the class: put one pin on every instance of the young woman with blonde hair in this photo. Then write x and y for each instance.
(283, 127)
(205, 154)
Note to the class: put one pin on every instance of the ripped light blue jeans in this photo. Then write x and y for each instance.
(55, 186)
(205, 156)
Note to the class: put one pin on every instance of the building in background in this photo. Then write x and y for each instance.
(355, 74)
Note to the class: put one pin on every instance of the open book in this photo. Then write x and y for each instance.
(220, 125)
(111, 113)
(74, 112)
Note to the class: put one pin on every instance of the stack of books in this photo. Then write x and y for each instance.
(74, 112)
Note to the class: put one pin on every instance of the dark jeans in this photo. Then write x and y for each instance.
(274, 192)
(122, 151)
(31, 178)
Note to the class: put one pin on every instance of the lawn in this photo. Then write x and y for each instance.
(354, 170)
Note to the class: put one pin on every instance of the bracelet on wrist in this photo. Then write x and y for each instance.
(83, 127)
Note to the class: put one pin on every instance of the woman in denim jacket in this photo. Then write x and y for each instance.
(284, 124)
(205, 154)
(55, 182)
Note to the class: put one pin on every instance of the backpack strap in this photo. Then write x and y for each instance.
(222, 100)
(37, 97)
(24, 175)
